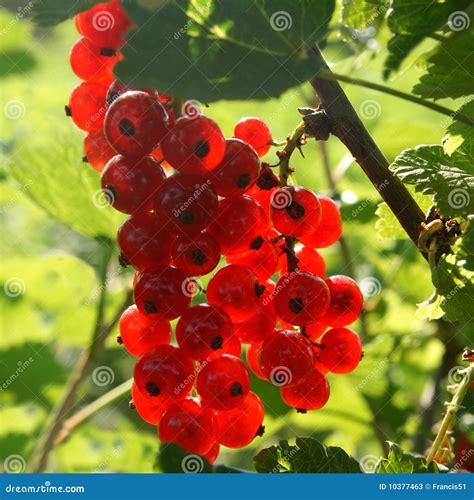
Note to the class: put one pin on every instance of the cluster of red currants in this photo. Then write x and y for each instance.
(216, 199)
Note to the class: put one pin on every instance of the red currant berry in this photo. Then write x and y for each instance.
(233, 346)
(196, 256)
(317, 362)
(346, 301)
(162, 292)
(131, 185)
(144, 242)
(87, 105)
(105, 24)
(117, 88)
(309, 260)
(251, 356)
(262, 322)
(263, 197)
(237, 223)
(213, 453)
(301, 298)
(330, 227)
(294, 211)
(236, 289)
(315, 330)
(238, 427)
(223, 383)
(147, 410)
(90, 62)
(341, 350)
(194, 145)
(237, 171)
(135, 123)
(76, 24)
(311, 394)
(164, 374)
(261, 258)
(139, 334)
(97, 150)
(286, 358)
(203, 331)
(256, 132)
(188, 425)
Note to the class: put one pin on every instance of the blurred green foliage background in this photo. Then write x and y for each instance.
(51, 216)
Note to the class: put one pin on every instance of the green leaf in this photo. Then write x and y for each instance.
(450, 179)
(460, 135)
(52, 175)
(400, 462)
(362, 14)
(464, 246)
(306, 456)
(411, 21)
(50, 12)
(224, 50)
(449, 69)
(173, 458)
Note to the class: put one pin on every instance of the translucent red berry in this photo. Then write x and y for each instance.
(196, 255)
(131, 185)
(90, 62)
(204, 331)
(162, 292)
(97, 150)
(223, 383)
(190, 426)
(286, 358)
(237, 171)
(213, 453)
(341, 350)
(87, 105)
(330, 226)
(139, 334)
(251, 356)
(301, 298)
(117, 88)
(164, 374)
(135, 123)
(346, 301)
(237, 223)
(311, 394)
(295, 211)
(194, 145)
(147, 410)
(188, 201)
(238, 427)
(256, 132)
(309, 260)
(144, 242)
(235, 288)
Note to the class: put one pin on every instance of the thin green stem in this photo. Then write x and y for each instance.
(453, 407)
(329, 75)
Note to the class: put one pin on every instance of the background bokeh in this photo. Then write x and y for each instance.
(53, 223)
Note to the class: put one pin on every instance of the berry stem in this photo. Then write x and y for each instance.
(345, 124)
(452, 409)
